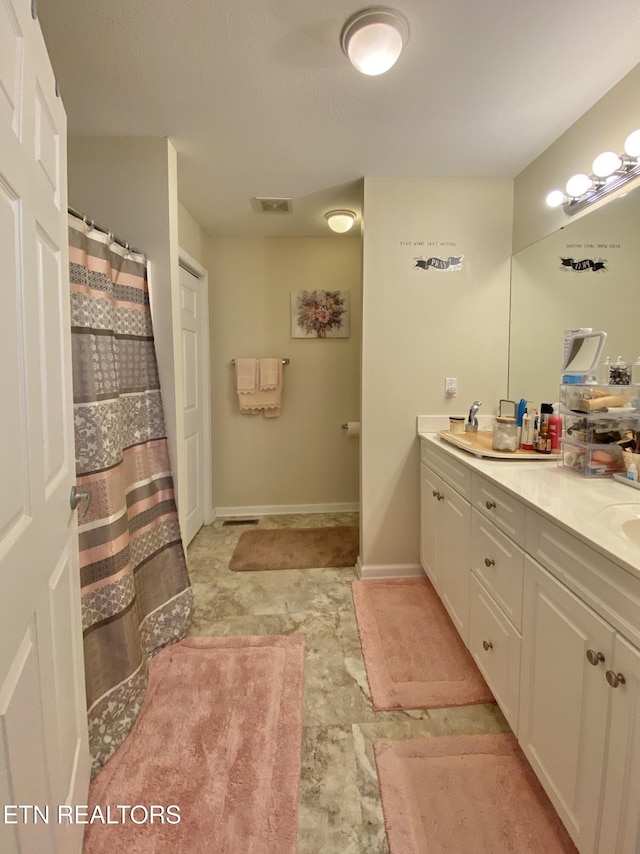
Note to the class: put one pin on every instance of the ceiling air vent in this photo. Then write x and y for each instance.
(272, 205)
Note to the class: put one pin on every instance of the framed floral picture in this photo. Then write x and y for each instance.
(320, 314)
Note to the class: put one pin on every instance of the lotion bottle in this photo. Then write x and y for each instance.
(528, 429)
(555, 429)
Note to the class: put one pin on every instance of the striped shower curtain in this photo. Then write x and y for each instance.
(136, 595)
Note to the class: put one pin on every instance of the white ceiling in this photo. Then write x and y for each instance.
(259, 100)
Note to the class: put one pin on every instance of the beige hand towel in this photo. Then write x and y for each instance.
(268, 372)
(246, 373)
(268, 401)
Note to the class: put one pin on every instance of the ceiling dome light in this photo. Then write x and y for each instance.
(632, 144)
(373, 39)
(578, 184)
(606, 164)
(340, 221)
(555, 198)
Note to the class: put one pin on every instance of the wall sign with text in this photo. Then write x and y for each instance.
(439, 256)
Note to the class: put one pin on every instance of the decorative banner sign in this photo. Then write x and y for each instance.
(584, 264)
(452, 263)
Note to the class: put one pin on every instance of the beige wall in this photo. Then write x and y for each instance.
(420, 327)
(602, 128)
(302, 457)
(130, 186)
(191, 237)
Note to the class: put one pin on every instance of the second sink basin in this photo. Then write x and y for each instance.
(623, 519)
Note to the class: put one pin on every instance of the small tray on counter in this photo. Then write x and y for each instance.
(480, 444)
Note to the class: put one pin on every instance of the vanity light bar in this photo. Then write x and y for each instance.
(610, 173)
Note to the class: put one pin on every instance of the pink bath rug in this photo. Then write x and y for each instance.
(414, 656)
(218, 739)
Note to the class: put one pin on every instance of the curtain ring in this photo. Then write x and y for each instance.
(90, 225)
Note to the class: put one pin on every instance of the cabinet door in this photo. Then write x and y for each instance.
(564, 700)
(620, 829)
(431, 486)
(453, 555)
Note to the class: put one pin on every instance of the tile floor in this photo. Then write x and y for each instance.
(340, 806)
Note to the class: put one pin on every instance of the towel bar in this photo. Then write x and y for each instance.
(284, 362)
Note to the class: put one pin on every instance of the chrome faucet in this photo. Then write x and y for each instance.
(471, 424)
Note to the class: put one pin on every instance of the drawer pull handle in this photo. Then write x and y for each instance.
(487, 645)
(615, 679)
(435, 493)
(440, 497)
(594, 657)
(489, 561)
(489, 504)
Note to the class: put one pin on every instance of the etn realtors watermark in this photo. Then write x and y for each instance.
(84, 814)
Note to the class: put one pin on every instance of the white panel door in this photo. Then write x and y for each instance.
(44, 757)
(191, 319)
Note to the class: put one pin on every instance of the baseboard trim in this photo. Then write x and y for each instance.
(281, 509)
(390, 570)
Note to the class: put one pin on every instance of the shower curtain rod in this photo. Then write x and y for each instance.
(94, 226)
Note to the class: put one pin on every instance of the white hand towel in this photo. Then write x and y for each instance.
(269, 374)
(246, 372)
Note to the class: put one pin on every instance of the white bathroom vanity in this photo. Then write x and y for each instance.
(540, 572)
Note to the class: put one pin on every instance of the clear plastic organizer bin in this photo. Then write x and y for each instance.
(592, 460)
(600, 428)
(573, 397)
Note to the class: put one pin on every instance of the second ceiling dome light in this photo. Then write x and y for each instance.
(373, 39)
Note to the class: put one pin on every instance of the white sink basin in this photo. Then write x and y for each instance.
(623, 519)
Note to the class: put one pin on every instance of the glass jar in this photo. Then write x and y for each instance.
(505, 434)
(619, 372)
(456, 424)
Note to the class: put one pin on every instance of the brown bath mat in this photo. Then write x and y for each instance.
(415, 658)
(296, 548)
(472, 793)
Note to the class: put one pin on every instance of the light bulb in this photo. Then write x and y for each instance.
(606, 164)
(340, 221)
(632, 144)
(578, 184)
(375, 48)
(555, 198)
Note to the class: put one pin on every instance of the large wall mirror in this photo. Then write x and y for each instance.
(587, 274)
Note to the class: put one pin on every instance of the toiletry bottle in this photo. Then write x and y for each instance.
(632, 472)
(543, 444)
(528, 426)
(555, 429)
(635, 372)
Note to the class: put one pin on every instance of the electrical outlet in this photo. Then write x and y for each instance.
(451, 387)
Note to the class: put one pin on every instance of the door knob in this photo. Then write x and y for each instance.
(76, 497)
(615, 679)
(594, 657)
(489, 561)
(490, 504)
(487, 645)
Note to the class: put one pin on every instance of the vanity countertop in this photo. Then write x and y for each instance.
(566, 498)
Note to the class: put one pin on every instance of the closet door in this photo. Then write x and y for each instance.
(44, 760)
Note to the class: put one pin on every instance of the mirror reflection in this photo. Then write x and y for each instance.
(586, 275)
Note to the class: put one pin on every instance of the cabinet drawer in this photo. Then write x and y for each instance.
(498, 562)
(611, 591)
(495, 646)
(496, 504)
(451, 470)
